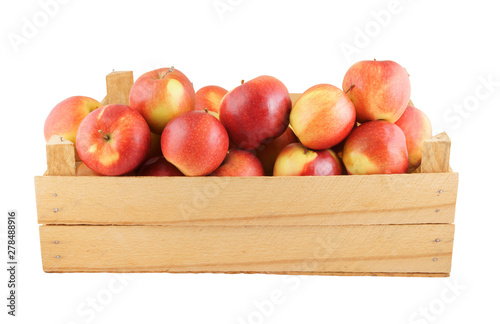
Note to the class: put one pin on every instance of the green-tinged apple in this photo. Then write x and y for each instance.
(113, 140)
(158, 167)
(161, 95)
(417, 128)
(83, 170)
(297, 160)
(209, 98)
(267, 153)
(322, 117)
(239, 163)
(66, 116)
(195, 142)
(376, 147)
(256, 112)
(378, 90)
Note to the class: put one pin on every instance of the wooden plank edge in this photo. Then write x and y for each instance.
(246, 226)
(290, 273)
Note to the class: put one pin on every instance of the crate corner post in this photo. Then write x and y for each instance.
(118, 85)
(61, 157)
(436, 154)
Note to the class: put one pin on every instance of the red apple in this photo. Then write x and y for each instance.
(376, 147)
(239, 163)
(113, 140)
(297, 160)
(209, 97)
(66, 116)
(195, 142)
(158, 167)
(267, 153)
(83, 170)
(378, 89)
(322, 116)
(417, 128)
(161, 95)
(256, 112)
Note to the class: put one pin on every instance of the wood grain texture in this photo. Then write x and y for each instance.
(60, 157)
(436, 154)
(263, 249)
(118, 85)
(334, 200)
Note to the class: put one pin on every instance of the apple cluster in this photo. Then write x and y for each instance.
(368, 127)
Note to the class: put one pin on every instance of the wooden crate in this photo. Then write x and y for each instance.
(390, 225)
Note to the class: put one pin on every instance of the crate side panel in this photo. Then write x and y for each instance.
(339, 200)
(267, 249)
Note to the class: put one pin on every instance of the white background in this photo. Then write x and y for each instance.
(446, 46)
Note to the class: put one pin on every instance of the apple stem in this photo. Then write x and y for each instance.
(206, 110)
(106, 137)
(242, 81)
(352, 86)
(168, 71)
(306, 150)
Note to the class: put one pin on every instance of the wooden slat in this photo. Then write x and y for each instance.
(436, 154)
(266, 249)
(118, 85)
(60, 157)
(336, 200)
